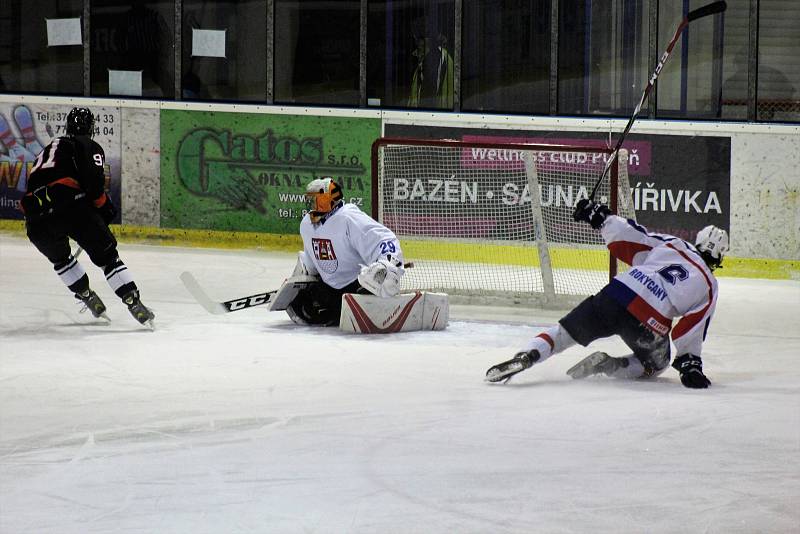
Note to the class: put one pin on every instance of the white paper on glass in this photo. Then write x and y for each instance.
(64, 32)
(208, 43)
(125, 82)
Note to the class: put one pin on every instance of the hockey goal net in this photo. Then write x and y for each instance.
(466, 217)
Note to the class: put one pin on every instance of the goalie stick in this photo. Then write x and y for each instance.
(219, 308)
(241, 303)
(710, 9)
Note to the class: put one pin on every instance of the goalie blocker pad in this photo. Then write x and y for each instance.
(369, 314)
(289, 290)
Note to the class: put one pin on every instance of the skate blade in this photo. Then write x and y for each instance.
(496, 374)
(586, 367)
(85, 309)
(103, 318)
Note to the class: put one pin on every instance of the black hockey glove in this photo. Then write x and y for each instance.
(591, 212)
(691, 369)
(107, 211)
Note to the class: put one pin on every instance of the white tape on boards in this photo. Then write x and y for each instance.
(125, 82)
(64, 32)
(208, 43)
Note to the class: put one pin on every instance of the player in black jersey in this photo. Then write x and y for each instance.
(65, 199)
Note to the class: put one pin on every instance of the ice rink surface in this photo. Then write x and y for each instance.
(248, 423)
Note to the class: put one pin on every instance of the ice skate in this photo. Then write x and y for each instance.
(92, 303)
(139, 311)
(521, 361)
(593, 364)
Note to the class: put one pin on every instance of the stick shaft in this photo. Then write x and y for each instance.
(219, 308)
(710, 9)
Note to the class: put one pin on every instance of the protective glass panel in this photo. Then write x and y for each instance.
(690, 84)
(27, 63)
(778, 61)
(134, 36)
(410, 54)
(238, 74)
(736, 36)
(602, 56)
(317, 52)
(506, 56)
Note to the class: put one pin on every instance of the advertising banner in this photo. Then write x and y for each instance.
(25, 129)
(678, 183)
(248, 172)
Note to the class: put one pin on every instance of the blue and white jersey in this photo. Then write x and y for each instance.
(343, 241)
(668, 279)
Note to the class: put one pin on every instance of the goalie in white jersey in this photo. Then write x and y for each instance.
(669, 279)
(347, 249)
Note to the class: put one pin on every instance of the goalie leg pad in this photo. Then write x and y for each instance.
(369, 314)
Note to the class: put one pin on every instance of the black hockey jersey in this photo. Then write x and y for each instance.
(67, 170)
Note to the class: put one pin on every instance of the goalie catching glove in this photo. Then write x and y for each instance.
(382, 278)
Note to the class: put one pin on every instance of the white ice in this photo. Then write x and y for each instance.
(247, 423)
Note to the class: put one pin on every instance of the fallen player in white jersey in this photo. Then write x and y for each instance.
(669, 278)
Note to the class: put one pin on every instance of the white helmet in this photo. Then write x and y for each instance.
(712, 243)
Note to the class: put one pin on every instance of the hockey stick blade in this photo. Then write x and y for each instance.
(710, 9)
(221, 308)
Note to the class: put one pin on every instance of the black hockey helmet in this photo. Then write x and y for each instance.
(80, 121)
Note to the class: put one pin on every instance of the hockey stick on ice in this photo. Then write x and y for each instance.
(710, 9)
(241, 303)
(219, 308)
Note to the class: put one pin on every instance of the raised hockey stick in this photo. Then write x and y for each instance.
(710, 9)
(219, 308)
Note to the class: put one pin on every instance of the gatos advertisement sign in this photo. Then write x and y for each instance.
(248, 172)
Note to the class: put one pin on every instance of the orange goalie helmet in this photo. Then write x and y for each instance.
(322, 196)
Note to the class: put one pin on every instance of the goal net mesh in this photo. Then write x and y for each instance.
(466, 217)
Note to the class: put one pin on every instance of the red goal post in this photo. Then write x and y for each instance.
(466, 216)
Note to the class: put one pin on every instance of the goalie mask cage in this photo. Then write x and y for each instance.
(466, 216)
